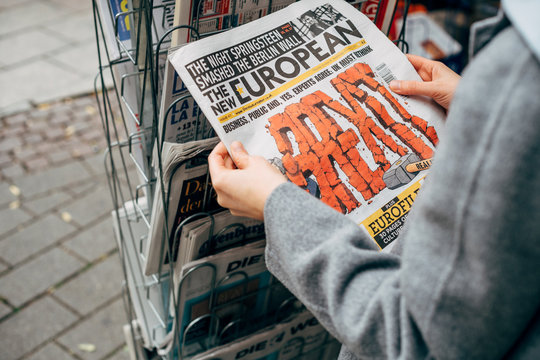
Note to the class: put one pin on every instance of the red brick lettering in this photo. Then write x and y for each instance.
(310, 120)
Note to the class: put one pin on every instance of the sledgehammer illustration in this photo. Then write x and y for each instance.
(404, 170)
(419, 166)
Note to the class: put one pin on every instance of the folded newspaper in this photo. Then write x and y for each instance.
(307, 88)
(300, 338)
(224, 294)
(208, 235)
(180, 119)
(186, 191)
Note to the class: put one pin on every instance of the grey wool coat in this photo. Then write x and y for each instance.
(465, 283)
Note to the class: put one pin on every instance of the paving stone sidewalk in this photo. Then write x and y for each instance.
(48, 52)
(60, 274)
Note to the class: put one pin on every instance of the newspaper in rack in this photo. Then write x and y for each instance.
(426, 38)
(180, 119)
(225, 296)
(211, 16)
(216, 292)
(302, 338)
(207, 236)
(186, 191)
(119, 24)
(307, 88)
(381, 12)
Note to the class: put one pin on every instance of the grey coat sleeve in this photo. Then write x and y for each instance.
(337, 272)
(468, 282)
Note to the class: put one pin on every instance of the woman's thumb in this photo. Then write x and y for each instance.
(239, 154)
(411, 87)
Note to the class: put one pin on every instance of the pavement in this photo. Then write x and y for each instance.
(60, 274)
(48, 51)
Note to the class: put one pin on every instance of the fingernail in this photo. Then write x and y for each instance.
(236, 146)
(395, 84)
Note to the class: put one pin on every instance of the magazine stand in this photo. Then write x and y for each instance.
(129, 114)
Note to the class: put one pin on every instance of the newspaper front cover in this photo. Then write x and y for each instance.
(307, 88)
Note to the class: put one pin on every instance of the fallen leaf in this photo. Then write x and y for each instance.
(87, 347)
(90, 110)
(70, 130)
(44, 106)
(14, 190)
(66, 217)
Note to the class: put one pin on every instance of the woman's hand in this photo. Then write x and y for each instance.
(440, 81)
(242, 182)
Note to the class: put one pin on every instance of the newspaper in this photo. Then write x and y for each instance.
(187, 190)
(180, 119)
(307, 88)
(219, 293)
(126, 75)
(118, 23)
(381, 12)
(302, 337)
(211, 234)
(211, 16)
(426, 38)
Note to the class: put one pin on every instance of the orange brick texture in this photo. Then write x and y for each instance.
(338, 147)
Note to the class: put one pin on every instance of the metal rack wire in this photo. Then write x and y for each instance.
(133, 139)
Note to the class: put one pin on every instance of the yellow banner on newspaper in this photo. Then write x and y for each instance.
(385, 224)
(236, 112)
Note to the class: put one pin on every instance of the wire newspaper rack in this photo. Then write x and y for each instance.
(134, 39)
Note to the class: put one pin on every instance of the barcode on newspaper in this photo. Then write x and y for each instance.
(385, 73)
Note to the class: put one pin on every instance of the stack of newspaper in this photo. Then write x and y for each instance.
(119, 22)
(224, 296)
(211, 234)
(184, 190)
(209, 17)
(119, 25)
(301, 337)
(180, 119)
